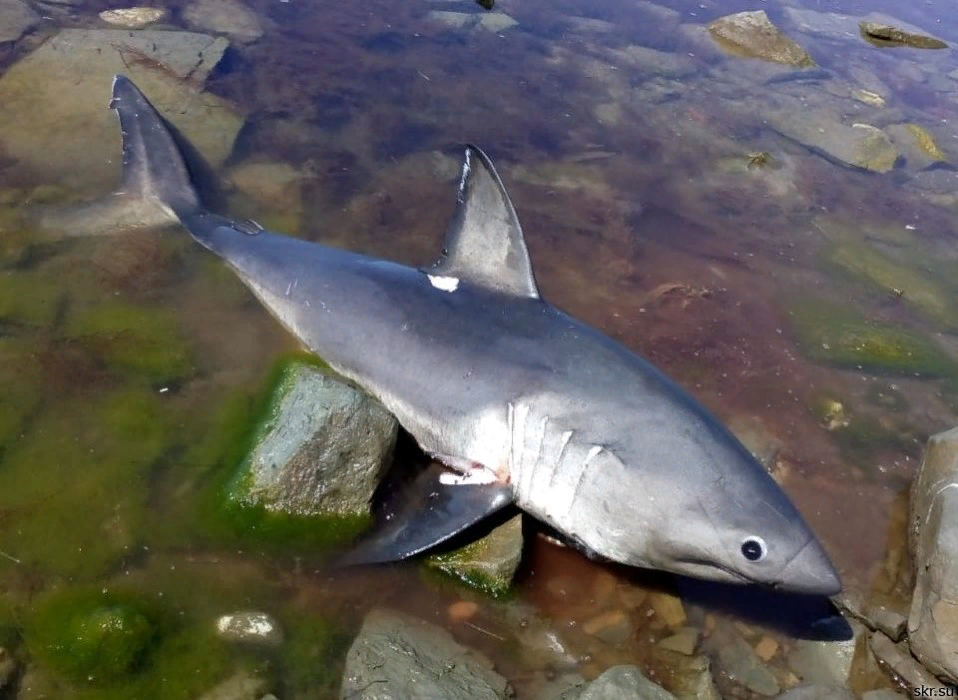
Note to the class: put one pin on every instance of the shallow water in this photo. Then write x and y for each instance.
(647, 213)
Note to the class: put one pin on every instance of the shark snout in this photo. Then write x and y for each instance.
(810, 571)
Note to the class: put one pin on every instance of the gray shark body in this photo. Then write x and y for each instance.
(524, 403)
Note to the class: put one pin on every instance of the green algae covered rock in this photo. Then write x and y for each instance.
(313, 459)
(832, 335)
(487, 564)
(889, 257)
(134, 340)
(313, 656)
(89, 635)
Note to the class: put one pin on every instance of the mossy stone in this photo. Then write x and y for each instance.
(227, 515)
(135, 340)
(90, 636)
(488, 564)
(835, 336)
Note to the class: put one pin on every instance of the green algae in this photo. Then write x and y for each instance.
(135, 340)
(832, 335)
(73, 488)
(488, 564)
(29, 299)
(313, 656)
(911, 284)
(116, 645)
(90, 636)
(20, 377)
(893, 259)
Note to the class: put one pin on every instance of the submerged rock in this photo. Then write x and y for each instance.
(933, 537)
(825, 663)
(897, 659)
(454, 20)
(322, 450)
(833, 335)
(89, 635)
(55, 119)
(16, 18)
(736, 658)
(250, 627)
(752, 35)
(497, 22)
(487, 564)
(885, 35)
(860, 145)
(133, 17)
(229, 17)
(621, 683)
(917, 145)
(400, 656)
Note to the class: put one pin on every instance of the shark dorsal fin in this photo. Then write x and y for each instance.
(484, 243)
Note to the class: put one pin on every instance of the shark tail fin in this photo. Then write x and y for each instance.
(153, 164)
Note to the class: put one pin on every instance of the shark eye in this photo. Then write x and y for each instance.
(754, 548)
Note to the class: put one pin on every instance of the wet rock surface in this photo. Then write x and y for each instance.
(619, 683)
(752, 35)
(398, 656)
(899, 661)
(887, 35)
(133, 17)
(933, 538)
(66, 81)
(323, 450)
(488, 563)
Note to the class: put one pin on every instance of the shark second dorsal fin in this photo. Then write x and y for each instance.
(484, 243)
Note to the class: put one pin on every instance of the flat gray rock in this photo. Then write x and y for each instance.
(488, 563)
(16, 17)
(323, 450)
(933, 539)
(55, 118)
(399, 657)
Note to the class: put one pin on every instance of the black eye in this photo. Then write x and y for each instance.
(753, 548)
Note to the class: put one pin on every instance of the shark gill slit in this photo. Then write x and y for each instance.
(536, 460)
(593, 452)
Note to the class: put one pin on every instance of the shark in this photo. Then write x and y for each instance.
(521, 403)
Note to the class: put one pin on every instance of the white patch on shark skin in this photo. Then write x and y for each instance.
(475, 476)
(593, 451)
(446, 284)
(466, 167)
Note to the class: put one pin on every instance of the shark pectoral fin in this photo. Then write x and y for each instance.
(431, 513)
(484, 244)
